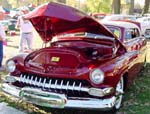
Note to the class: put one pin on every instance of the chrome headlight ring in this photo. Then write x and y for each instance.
(10, 66)
(97, 76)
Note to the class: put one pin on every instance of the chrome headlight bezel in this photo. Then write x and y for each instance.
(10, 66)
(97, 76)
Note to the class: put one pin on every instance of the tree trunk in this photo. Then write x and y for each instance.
(146, 7)
(131, 10)
(116, 6)
(38, 2)
(17, 3)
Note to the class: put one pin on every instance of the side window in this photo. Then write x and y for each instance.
(131, 33)
(135, 33)
(128, 35)
(138, 32)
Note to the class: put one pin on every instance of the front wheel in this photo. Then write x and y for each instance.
(119, 94)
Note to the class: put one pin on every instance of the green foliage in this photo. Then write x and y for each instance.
(72, 3)
(99, 6)
(5, 3)
(102, 6)
(19, 3)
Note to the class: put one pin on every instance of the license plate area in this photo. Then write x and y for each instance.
(42, 98)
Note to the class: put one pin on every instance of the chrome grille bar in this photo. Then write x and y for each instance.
(35, 81)
(61, 84)
(47, 83)
(50, 81)
(44, 82)
(31, 81)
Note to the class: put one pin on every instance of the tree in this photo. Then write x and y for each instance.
(98, 6)
(116, 6)
(131, 10)
(5, 4)
(146, 7)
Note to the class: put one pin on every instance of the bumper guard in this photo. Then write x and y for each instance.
(49, 99)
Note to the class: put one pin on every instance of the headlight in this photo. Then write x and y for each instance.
(97, 76)
(10, 66)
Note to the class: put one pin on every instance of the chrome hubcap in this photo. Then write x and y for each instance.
(119, 93)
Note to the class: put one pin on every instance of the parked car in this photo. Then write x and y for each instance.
(12, 24)
(144, 21)
(115, 17)
(98, 16)
(146, 15)
(5, 25)
(145, 25)
(9, 25)
(85, 66)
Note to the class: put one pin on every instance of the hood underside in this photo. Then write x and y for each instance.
(53, 19)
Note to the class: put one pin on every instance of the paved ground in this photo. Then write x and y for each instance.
(5, 109)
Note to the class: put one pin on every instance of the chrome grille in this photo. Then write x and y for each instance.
(52, 83)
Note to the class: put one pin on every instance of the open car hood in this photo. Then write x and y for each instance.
(52, 19)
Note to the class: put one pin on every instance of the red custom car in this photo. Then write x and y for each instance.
(85, 66)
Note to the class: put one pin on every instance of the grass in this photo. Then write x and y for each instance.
(136, 98)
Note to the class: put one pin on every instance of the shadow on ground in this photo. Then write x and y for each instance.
(75, 111)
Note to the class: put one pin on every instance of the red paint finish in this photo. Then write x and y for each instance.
(52, 19)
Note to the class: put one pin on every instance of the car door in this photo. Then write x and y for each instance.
(135, 44)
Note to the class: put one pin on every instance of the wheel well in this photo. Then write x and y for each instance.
(125, 78)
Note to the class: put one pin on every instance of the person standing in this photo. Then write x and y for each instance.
(26, 34)
(2, 38)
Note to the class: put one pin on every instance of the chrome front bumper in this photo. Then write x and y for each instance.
(49, 99)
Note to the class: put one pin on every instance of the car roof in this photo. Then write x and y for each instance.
(120, 24)
(146, 14)
(118, 17)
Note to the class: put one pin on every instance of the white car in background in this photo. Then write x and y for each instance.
(115, 17)
(144, 21)
(146, 15)
(145, 26)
